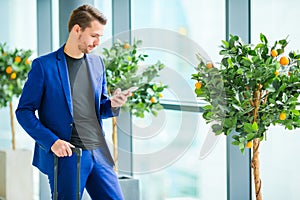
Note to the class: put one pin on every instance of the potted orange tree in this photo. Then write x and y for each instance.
(123, 62)
(124, 70)
(14, 67)
(254, 87)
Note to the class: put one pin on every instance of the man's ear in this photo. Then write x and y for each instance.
(76, 28)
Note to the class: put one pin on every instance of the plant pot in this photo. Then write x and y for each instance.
(130, 188)
(16, 175)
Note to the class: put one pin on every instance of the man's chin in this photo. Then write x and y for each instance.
(89, 50)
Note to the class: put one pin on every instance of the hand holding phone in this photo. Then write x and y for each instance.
(130, 90)
(119, 97)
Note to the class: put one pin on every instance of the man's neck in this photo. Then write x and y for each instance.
(72, 51)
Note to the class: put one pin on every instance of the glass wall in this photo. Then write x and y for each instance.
(167, 158)
(18, 30)
(280, 162)
(166, 149)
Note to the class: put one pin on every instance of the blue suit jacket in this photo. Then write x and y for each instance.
(47, 90)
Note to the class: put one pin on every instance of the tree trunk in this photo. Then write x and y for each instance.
(255, 157)
(12, 124)
(115, 142)
(256, 170)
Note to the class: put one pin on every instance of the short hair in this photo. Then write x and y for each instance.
(84, 15)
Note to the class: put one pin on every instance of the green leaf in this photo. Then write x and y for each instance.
(217, 129)
(240, 71)
(225, 43)
(248, 128)
(254, 126)
(237, 107)
(283, 42)
(207, 115)
(296, 112)
(207, 107)
(263, 38)
(228, 123)
(242, 147)
(252, 53)
(250, 136)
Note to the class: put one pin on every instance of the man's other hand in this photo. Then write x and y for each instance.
(62, 148)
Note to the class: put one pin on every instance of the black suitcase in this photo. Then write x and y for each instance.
(78, 152)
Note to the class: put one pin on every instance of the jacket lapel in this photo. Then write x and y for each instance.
(64, 77)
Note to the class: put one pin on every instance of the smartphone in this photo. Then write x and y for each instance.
(131, 89)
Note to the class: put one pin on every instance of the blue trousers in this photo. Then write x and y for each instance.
(96, 175)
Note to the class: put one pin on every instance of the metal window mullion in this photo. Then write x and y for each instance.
(238, 165)
(121, 29)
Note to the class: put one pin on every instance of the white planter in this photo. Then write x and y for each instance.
(16, 175)
(130, 188)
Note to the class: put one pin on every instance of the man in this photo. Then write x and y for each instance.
(68, 89)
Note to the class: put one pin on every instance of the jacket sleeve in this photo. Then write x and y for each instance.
(29, 102)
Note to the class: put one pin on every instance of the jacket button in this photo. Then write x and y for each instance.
(71, 124)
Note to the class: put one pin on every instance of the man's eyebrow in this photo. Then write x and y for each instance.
(97, 34)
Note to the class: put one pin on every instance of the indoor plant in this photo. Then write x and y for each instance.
(15, 165)
(124, 70)
(14, 68)
(255, 86)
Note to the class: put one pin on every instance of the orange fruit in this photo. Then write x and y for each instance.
(160, 95)
(282, 116)
(27, 62)
(284, 60)
(276, 73)
(209, 65)
(198, 85)
(249, 144)
(8, 70)
(274, 53)
(126, 46)
(152, 99)
(13, 75)
(18, 59)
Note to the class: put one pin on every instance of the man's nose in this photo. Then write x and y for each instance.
(97, 42)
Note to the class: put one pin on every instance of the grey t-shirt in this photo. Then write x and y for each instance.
(87, 133)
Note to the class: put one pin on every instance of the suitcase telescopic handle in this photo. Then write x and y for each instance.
(78, 152)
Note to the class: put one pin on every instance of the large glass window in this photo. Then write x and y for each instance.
(18, 30)
(105, 6)
(279, 158)
(167, 158)
(166, 149)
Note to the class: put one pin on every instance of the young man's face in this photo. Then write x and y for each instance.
(90, 37)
